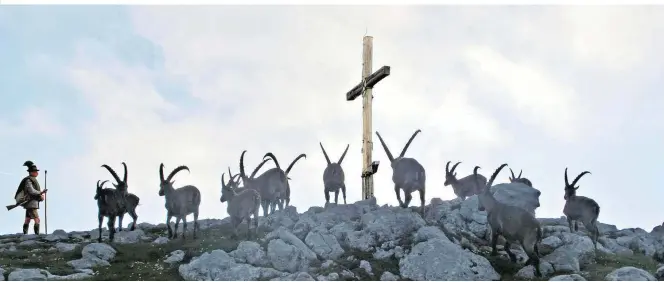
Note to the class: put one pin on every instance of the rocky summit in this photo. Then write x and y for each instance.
(360, 241)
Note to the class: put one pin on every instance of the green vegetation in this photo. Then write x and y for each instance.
(607, 263)
(144, 261)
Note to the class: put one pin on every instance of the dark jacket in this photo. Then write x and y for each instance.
(32, 188)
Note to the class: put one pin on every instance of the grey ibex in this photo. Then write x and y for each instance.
(285, 193)
(180, 202)
(519, 179)
(241, 204)
(269, 185)
(127, 202)
(513, 223)
(580, 208)
(464, 187)
(407, 174)
(333, 177)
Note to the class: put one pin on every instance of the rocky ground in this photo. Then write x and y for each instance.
(360, 241)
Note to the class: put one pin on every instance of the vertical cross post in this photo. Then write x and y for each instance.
(365, 87)
(367, 97)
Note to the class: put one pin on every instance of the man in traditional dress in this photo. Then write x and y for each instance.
(30, 191)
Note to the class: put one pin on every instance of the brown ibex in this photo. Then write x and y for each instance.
(109, 205)
(580, 208)
(333, 177)
(241, 204)
(464, 187)
(180, 202)
(126, 202)
(267, 185)
(519, 179)
(407, 174)
(515, 224)
(284, 188)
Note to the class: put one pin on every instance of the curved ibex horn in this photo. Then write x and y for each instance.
(387, 151)
(176, 170)
(405, 148)
(100, 186)
(493, 176)
(343, 155)
(270, 155)
(294, 161)
(161, 172)
(115, 175)
(125, 172)
(454, 167)
(325, 153)
(242, 174)
(579, 177)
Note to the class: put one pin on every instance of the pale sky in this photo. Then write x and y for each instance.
(539, 88)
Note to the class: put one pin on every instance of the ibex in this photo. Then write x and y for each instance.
(464, 187)
(333, 177)
(241, 205)
(265, 184)
(109, 203)
(128, 202)
(407, 174)
(581, 208)
(519, 179)
(180, 202)
(515, 224)
(285, 194)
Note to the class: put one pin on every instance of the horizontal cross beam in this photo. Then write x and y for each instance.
(371, 81)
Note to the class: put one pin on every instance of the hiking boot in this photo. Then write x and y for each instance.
(36, 227)
(25, 228)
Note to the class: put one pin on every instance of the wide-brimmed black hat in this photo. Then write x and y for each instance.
(31, 166)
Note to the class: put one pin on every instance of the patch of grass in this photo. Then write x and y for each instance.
(605, 263)
(55, 262)
(144, 261)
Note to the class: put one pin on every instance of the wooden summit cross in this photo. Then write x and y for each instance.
(369, 79)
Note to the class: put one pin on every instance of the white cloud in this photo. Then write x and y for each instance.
(614, 37)
(286, 70)
(533, 93)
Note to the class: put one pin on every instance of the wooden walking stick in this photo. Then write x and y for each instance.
(45, 204)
